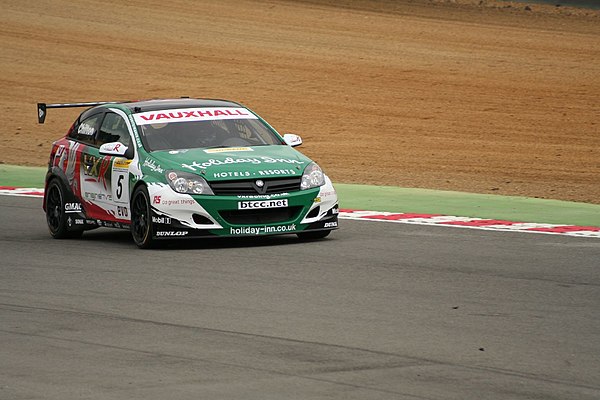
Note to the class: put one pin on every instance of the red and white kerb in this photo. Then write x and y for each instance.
(415, 218)
(473, 223)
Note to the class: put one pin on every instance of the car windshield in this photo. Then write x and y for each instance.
(166, 131)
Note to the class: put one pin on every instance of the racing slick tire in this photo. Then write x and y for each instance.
(313, 235)
(141, 218)
(55, 212)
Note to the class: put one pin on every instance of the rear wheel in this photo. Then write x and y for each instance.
(313, 235)
(141, 218)
(55, 212)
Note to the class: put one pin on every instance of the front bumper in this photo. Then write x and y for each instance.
(176, 215)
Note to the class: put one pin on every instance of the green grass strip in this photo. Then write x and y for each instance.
(394, 199)
(511, 208)
(13, 175)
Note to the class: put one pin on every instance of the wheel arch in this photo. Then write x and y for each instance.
(134, 188)
(57, 173)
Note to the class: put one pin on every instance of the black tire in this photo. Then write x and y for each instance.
(141, 218)
(313, 235)
(55, 212)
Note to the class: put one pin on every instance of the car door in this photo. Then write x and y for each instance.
(94, 176)
(104, 178)
(71, 152)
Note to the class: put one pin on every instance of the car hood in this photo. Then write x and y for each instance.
(232, 163)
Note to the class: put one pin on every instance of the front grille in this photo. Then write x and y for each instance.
(249, 187)
(261, 216)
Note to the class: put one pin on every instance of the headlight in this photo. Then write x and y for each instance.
(184, 182)
(313, 177)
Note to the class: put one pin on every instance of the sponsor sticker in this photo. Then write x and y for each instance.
(93, 196)
(258, 230)
(151, 164)
(231, 173)
(171, 233)
(123, 212)
(192, 114)
(174, 202)
(72, 207)
(327, 194)
(228, 149)
(252, 205)
(231, 161)
(95, 166)
(262, 196)
(161, 220)
(121, 163)
(112, 224)
(277, 172)
(113, 147)
(330, 225)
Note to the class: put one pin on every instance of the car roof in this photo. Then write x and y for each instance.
(157, 104)
(165, 104)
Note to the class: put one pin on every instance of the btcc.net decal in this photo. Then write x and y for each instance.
(249, 205)
(258, 230)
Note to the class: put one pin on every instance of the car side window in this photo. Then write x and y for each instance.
(86, 130)
(113, 129)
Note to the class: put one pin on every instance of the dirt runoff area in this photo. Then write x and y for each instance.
(467, 95)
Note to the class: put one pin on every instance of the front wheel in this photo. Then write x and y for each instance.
(141, 218)
(58, 222)
(313, 235)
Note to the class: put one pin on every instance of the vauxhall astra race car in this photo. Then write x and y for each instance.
(183, 168)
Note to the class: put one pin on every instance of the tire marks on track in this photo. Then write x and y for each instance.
(281, 356)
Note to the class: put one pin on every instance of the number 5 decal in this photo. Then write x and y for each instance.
(120, 184)
(120, 187)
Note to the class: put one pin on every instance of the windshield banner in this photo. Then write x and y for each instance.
(192, 114)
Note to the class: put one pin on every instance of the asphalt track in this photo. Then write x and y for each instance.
(376, 311)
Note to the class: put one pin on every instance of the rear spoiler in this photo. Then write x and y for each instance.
(41, 107)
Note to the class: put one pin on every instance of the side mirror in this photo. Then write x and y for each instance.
(292, 139)
(114, 149)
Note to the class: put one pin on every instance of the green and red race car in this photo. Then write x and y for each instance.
(183, 168)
